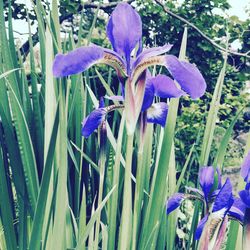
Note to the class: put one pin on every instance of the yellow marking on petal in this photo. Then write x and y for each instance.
(144, 64)
(114, 62)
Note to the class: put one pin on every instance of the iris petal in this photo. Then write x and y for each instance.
(187, 75)
(83, 58)
(147, 53)
(206, 179)
(124, 30)
(174, 202)
(165, 87)
(245, 197)
(148, 95)
(224, 199)
(237, 210)
(200, 227)
(76, 61)
(245, 169)
(157, 113)
(93, 121)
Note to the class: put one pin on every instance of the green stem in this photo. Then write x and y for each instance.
(114, 197)
(101, 164)
(126, 220)
(138, 194)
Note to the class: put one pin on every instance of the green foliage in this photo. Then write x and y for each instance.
(56, 192)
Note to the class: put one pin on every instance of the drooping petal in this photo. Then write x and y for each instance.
(77, 60)
(93, 121)
(157, 113)
(174, 202)
(148, 95)
(245, 168)
(83, 58)
(151, 52)
(237, 210)
(224, 199)
(124, 30)
(245, 197)
(200, 227)
(206, 180)
(165, 87)
(187, 75)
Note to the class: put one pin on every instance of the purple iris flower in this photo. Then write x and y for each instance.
(159, 86)
(124, 30)
(218, 203)
(245, 173)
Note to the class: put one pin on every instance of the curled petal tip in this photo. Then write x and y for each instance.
(174, 202)
(93, 121)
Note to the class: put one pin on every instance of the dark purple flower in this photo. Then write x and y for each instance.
(206, 180)
(222, 204)
(245, 169)
(221, 200)
(124, 30)
(245, 173)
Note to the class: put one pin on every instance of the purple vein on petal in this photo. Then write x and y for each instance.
(124, 30)
(77, 60)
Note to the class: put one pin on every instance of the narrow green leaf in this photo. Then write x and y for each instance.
(26, 149)
(93, 219)
(36, 233)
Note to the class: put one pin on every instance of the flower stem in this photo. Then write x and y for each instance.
(138, 196)
(102, 161)
(114, 197)
(126, 220)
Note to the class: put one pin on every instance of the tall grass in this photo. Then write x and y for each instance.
(55, 192)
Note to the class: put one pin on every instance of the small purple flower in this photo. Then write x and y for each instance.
(245, 169)
(174, 202)
(245, 173)
(218, 203)
(124, 30)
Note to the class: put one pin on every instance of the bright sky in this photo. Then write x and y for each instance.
(238, 8)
